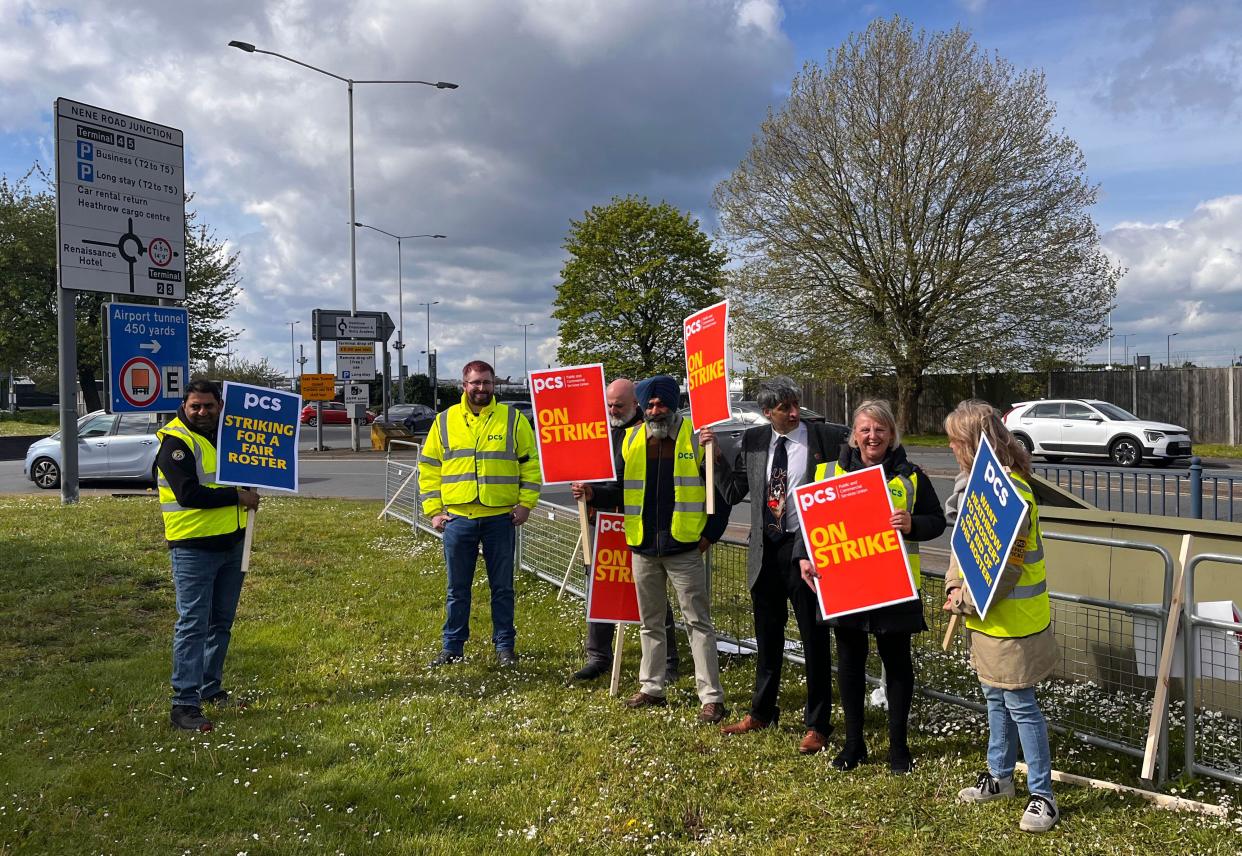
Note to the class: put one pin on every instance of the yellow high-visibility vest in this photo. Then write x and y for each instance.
(478, 463)
(689, 489)
(181, 523)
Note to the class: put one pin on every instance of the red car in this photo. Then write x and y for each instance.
(334, 413)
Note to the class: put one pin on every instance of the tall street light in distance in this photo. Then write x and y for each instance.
(431, 376)
(525, 362)
(353, 238)
(400, 346)
(293, 358)
(1168, 345)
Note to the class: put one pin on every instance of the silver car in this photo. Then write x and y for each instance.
(110, 446)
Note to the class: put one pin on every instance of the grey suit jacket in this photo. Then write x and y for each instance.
(748, 474)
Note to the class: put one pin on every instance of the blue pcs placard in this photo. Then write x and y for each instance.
(987, 524)
(257, 445)
(148, 357)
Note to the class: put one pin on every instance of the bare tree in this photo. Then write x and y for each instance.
(911, 208)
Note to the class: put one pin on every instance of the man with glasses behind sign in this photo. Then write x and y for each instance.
(772, 460)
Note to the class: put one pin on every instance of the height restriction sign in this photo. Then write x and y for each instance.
(120, 203)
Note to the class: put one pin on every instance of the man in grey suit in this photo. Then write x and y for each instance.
(771, 461)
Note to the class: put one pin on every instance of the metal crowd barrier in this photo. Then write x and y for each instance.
(1101, 693)
(1213, 685)
(1175, 493)
(401, 481)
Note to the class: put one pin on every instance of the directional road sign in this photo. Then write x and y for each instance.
(329, 325)
(120, 203)
(148, 357)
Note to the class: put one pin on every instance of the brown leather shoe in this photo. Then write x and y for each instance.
(747, 723)
(813, 742)
(641, 699)
(712, 712)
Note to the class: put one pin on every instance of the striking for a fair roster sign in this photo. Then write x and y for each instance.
(849, 536)
(257, 444)
(705, 334)
(611, 596)
(571, 424)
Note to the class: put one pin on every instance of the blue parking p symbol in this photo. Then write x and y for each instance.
(86, 172)
(86, 151)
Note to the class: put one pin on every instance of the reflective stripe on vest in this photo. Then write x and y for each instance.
(181, 523)
(689, 490)
(480, 467)
(902, 490)
(1026, 610)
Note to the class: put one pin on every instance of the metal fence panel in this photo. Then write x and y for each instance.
(1213, 688)
(401, 481)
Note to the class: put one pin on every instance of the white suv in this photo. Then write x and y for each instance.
(1078, 427)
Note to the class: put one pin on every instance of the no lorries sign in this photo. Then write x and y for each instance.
(120, 203)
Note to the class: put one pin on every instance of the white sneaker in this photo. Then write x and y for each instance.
(1041, 815)
(987, 788)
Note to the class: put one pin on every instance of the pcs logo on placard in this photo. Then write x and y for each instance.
(808, 498)
(542, 383)
(611, 524)
(998, 484)
(266, 402)
(694, 326)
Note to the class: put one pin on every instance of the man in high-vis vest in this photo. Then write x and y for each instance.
(478, 478)
(205, 526)
(663, 495)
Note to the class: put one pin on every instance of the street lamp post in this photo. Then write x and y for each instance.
(1168, 345)
(525, 362)
(435, 389)
(293, 357)
(400, 346)
(353, 238)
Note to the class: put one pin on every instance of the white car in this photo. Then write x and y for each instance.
(1081, 427)
(110, 446)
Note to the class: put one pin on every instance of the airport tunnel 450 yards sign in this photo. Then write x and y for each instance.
(849, 536)
(571, 424)
(120, 203)
(987, 525)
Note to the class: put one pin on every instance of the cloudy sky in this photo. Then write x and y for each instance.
(565, 103)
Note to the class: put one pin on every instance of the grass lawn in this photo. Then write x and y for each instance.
(29, 422)
(351, 745)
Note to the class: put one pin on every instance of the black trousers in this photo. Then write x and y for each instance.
(600, 636)
(894, 651)
(780, 585)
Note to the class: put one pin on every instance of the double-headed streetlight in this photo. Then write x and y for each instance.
(400, 346)
(353, 239)
(435, 388)
(525, 368)
(293, 357)
(1168, 346)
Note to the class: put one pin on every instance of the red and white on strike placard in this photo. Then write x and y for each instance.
(571, 424)
(704, 334)
(611, 595)
(860, 557)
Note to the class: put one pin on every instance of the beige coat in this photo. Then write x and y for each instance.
(1005, 663)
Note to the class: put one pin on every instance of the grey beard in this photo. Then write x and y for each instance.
(620, 421)
(658, 429)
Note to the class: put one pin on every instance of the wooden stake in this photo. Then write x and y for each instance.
(245, 566)
(711, 477)
(573, 554)
(615, 687)
(1158, 799)
(1166, 663)
(384, 510)
(954, 622)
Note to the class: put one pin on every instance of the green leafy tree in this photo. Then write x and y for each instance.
(240, 370)
(635, 271)
(28, 331)
(911, 207)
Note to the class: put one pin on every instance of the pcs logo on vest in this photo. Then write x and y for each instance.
(495, 436)
(685, 456)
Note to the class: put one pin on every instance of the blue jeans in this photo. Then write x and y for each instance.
(462, 537)
(208, 585)
(1014, 717)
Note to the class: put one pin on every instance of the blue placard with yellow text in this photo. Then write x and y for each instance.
(257, 445)
(987, 523)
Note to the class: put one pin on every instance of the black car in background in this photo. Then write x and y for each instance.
(417, 418)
